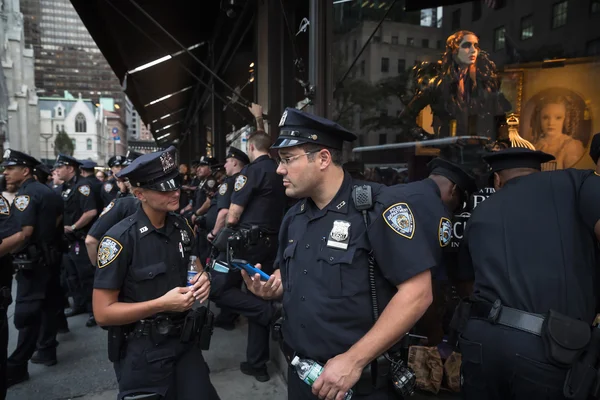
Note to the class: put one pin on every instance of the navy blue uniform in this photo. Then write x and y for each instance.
(110, 189)
(116, 211)
(531, 247)
(96, 187)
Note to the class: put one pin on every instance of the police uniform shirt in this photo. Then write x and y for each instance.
(9, 225)
(205, 186)
(225, 192)
(323, 258)
(531, 244)
(35, 205)
(260, 191)
(109, 190)
(97, 189)
(78, 198)
(144, 262)
(116, 211)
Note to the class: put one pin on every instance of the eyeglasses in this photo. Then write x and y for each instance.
(287, 160)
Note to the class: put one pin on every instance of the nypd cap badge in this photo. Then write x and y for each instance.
(21, 202)
(108, 251)
(400, 218)
(240, 181)
(445, 232)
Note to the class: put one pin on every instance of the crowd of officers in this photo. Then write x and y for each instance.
(350, 264)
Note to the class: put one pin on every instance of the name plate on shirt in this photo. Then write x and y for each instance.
(339, 237)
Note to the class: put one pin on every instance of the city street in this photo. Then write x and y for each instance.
(84, 372)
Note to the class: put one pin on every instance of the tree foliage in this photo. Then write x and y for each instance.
(63, 144)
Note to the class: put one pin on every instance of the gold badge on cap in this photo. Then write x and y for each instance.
(283, 118)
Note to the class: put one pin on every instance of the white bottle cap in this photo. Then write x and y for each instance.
(295, 361)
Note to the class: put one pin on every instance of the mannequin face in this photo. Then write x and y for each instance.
(468, 50)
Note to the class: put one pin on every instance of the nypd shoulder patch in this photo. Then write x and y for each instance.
(4, 206)
(21, 202)
(107, 208)
(400, 218)
(223, 189)
(108, 251)
(240, 181)
(108, 187)
(445, 232)
(84, 190)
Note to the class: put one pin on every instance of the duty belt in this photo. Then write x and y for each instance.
(161, 326)
(498, 314)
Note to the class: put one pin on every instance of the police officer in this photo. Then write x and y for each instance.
(207, 184)
(141, 282)
(595, 151)
(38, 214)
(323, 263)
(87, 169)
(110, 187)
(258, 201)
(530, 250)
(11, 237)
(80, 212)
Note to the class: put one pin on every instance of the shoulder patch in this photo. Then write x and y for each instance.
(400, 218)
(107, 208)
(240, 181)
(21, 202)
(84, 190)
(108, 250)
(108, 187)
(4, 206)
(445, 232)
(223, 189)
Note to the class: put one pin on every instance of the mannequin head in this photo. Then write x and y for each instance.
(464, 47)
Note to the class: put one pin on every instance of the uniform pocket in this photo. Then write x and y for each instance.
(148, 272)
(534, 379)
(160, 363)
(472, 378)
(340, 277)
(288, 254)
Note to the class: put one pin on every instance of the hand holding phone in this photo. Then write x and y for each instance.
(250, 269)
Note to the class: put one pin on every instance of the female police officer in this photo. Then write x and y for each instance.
(140, 289)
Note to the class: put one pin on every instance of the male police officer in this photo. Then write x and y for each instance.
(110, 188)
(87, 170)
(38, 216)
(258, 202)
(80, 212)
(140, 287)
(323, 261)
(595, 151)
(530, 249)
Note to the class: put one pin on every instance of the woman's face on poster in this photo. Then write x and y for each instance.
(468, 50)
(552, 119)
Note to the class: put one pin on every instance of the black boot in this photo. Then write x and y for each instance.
(46, 357)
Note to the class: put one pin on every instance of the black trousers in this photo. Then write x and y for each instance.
(3, 351)
(174, 370)
(501, 363)
(298, 390)
(80, 275)
(35, 314)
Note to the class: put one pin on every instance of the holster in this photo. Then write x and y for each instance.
(459, 321)
(222, 239)
(28, 259)
(198, 324)
(5, 297)
(116, 343)
(564, 338)
(582, 381)
(276, 333)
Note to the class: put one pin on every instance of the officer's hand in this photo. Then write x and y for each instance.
(256, 110)
(68, 229)
(338, 376)
(269, 290)
(201, 288)
(178, 299)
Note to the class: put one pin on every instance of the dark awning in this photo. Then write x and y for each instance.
(129, 40)
(414, 5)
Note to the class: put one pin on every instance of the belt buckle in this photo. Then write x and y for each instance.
(495, 311)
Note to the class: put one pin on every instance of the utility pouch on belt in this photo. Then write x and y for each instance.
(564, 338)
(116, 339)
(221, 240)
(459, 320)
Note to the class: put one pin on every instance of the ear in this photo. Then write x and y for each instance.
(324, 158)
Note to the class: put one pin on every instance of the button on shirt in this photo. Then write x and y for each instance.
(141, 261)
(326, 296)
(260, 191)
(532, 244)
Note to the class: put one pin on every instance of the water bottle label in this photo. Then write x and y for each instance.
(190, 276)
(313, 374)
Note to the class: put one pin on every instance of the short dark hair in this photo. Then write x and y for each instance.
(336, 154)
(260, 140)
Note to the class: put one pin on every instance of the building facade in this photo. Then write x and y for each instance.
(66, 56)
(19, 116)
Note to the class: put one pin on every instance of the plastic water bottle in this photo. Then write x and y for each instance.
(309, 371)
(191, 272)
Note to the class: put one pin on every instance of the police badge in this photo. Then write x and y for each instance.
(108, 251)
(400, 218)
(185, 238)
(108, 187)
(240, 181)
(223, 189)
(21, 202)
(339, 235)
(84, 190)
(445, 232)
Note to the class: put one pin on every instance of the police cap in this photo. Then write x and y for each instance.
(454, 173)
(130, 156)
(155, 171)
(116, 161)
(63, 159)
(204, 160)
(516, 157)
(13, 157)
(297, 127)
(238, 155)
(42, 171)
(595, 148)
(87, 164)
